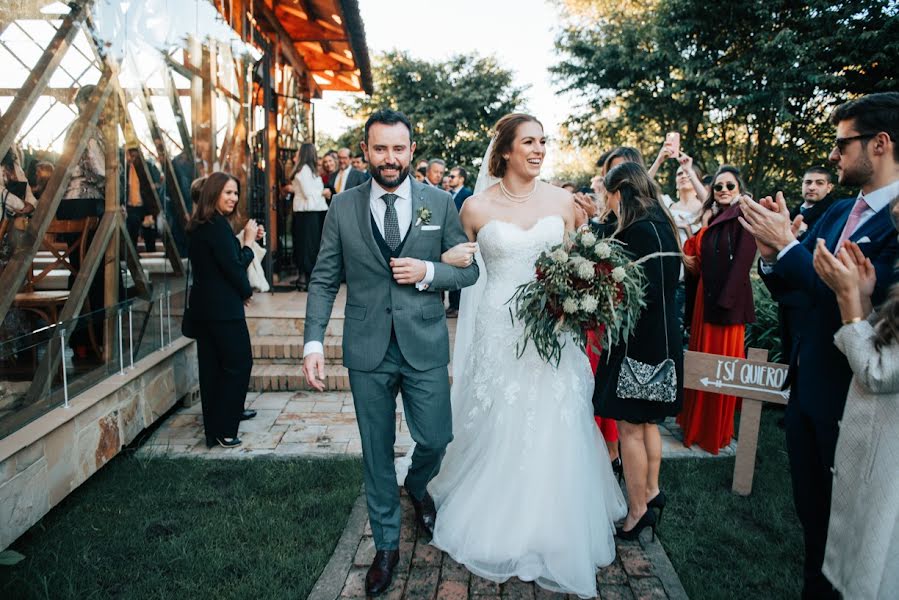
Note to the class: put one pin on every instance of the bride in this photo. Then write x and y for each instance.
(526, 488)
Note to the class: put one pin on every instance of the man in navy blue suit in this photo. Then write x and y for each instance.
(458, 178)
(866, 155)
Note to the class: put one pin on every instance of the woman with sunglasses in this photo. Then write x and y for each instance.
(719, 298)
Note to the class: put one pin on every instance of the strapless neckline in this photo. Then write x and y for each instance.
(519, 227)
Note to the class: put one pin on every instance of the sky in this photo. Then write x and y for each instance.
(519, 33)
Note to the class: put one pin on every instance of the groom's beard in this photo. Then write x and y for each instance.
(390, 183)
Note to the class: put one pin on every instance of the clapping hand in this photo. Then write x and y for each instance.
(849, 274)
(768, 220)
(460, 255)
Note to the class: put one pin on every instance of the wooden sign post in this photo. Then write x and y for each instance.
(753, 379)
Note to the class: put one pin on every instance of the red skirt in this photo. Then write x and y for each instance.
(607, 427)
(708, 419)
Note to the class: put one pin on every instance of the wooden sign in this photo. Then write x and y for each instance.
(753, 379)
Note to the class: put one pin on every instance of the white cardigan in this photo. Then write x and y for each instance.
(862, 554)
(307, 191)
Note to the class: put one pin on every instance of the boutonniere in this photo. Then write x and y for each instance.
(424, 216)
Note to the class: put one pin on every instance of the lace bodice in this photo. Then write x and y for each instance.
(510, 251)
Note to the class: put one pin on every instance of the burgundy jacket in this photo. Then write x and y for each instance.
(727, 255)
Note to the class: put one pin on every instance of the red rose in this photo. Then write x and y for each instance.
(602, 268)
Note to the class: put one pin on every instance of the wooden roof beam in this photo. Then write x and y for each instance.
(290, 52)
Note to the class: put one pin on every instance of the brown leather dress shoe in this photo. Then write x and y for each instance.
(380, 573)
(425, 511)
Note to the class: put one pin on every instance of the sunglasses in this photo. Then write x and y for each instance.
(842, 143)
(719, 187)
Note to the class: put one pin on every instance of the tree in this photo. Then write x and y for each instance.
(452, 104)
(746, 83)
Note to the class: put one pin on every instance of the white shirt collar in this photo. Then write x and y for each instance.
(404, 192)
(880, 198)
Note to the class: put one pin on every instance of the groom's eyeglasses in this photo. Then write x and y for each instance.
(719, 187)
(842, 143)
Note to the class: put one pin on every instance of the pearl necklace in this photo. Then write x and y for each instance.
(520, 199)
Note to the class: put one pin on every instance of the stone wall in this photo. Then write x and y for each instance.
(44, 461)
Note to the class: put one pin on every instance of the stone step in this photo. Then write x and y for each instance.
(289, 378)
(274, 349)
(270, 326)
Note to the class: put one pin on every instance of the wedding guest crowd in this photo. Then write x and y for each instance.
(866, 156)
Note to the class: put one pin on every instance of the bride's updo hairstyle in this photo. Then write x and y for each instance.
(506, 129)
(640, 196)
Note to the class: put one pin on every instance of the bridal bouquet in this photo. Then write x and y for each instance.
(584, 284)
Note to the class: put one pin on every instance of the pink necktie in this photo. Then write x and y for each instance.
(852, 222)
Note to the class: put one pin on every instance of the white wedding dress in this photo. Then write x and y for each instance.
(526, 488)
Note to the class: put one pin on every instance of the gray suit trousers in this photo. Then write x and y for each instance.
(426, 400)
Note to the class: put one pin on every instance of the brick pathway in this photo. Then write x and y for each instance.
(641, 570)
(316, 424)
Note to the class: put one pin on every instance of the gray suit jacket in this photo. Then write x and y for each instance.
(375, 302)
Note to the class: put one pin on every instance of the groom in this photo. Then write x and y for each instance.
(387, 235)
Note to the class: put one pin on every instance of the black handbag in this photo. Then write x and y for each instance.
(643, 381)
(188, 323)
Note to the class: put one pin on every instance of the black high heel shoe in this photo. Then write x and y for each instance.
(647, 520)
(618, 468)
(659, 503)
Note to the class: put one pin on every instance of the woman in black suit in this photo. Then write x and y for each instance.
(646, 228)
(220, 289)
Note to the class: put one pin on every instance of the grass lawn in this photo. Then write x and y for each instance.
(727, 546)
(189, 528)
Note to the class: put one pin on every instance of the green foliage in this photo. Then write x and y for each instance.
(189, 528)
(746, 83)
(765, 332)
(452, 104)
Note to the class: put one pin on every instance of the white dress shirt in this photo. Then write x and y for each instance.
(378, 207)
(876, 200)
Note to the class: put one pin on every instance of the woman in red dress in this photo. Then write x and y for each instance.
(723, 254)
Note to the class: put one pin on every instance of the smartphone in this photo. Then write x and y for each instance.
(672, 142)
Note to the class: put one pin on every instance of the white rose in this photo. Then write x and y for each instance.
(589, 304)
(585, 269)
(559, 255)
(570, 305)
(603, 250)
(587, 238)
(618, 274)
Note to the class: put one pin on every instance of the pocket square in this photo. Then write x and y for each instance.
(437, 227)
(864, 240)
